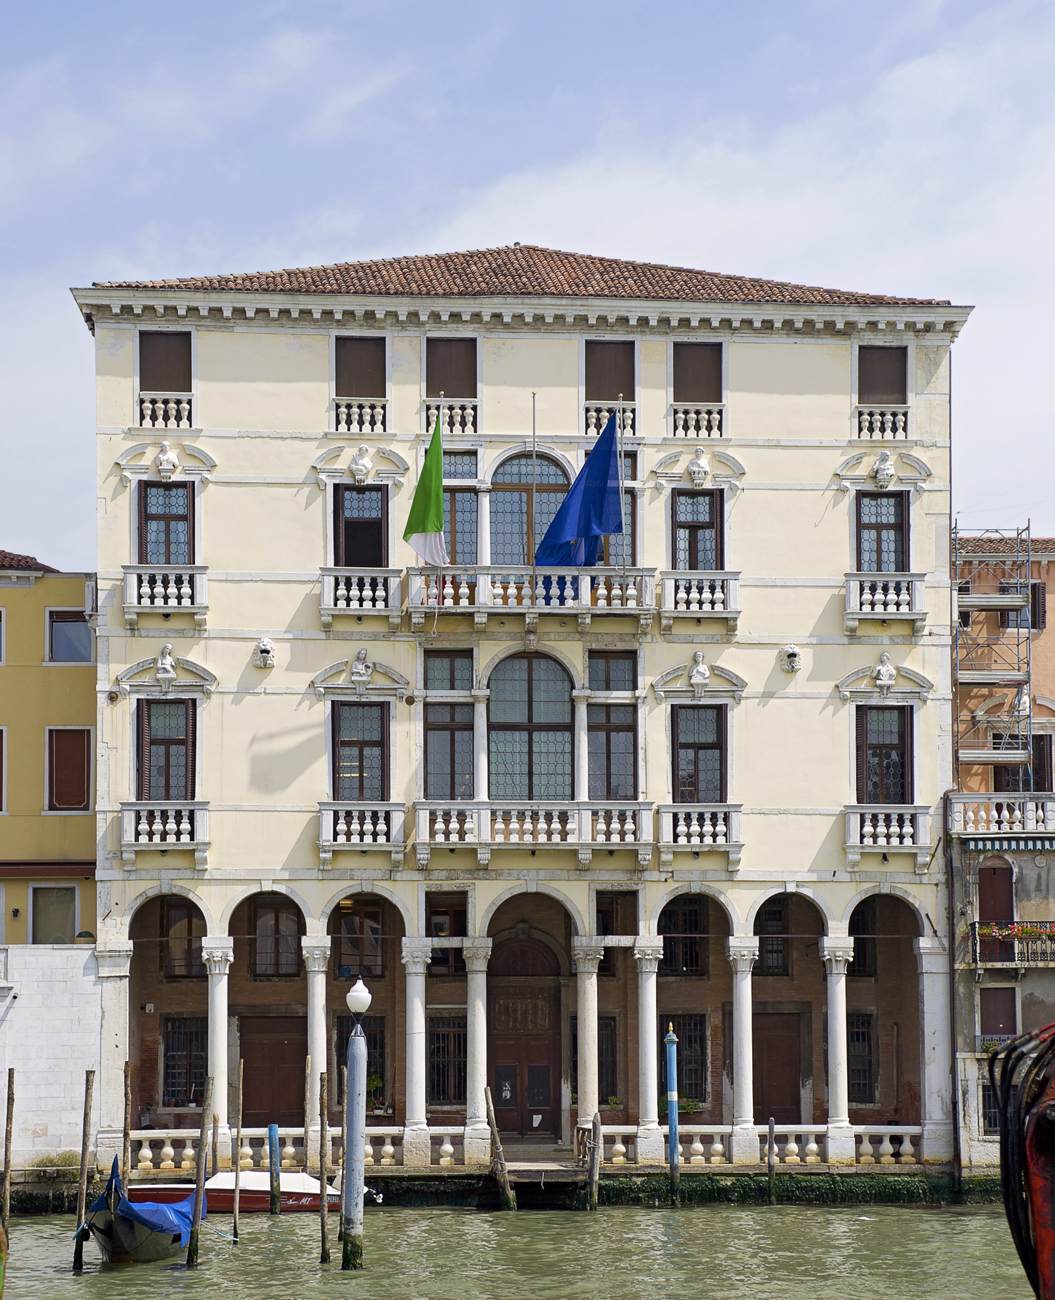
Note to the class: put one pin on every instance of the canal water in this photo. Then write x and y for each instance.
(721, 1251)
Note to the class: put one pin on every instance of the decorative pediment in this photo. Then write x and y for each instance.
(164, 460)
(166, 674)
(699, 680)
(884, 682)
(361, 463)
(358, 677)
(700, 465)
(881, 471)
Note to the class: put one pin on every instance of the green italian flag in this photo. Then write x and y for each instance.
(424, 530)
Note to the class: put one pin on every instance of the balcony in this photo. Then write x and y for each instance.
(458, 417)
(1013, 943)
(699, 421)
(598, 414)
(879, 422)
(359, 592)
(532, 591)
(700, 828)
(1003, 817)
(155, 825)
(346, 828)
(166, 410)
(360, 417)
(887, 829)
(884, 597)
(700, 593)
(535, 825)
(986, 1043)
(166, 589)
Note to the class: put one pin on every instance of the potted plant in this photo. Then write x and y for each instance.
(375, 1087)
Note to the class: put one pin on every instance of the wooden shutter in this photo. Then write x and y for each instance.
(450, 367)
(3, 736)
(697, 372)
(143, 757)
(1042, 772)
(69, 768)
(609, 371)
(164, 362)
(861, 741)
(882, 376)
(360, 367)
(1038, 606)
(192, 723)
(996, 894)
(906, 733)
(999, 1014)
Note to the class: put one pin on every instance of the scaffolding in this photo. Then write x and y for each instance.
(992, 653)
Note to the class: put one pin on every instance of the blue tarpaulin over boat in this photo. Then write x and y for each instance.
(174, 1217)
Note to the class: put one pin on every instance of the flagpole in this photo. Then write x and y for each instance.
(534, 480)
(439, 580)
(622, 494)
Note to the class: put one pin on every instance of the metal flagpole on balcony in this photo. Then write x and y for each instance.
(534, 479)
(622, 493)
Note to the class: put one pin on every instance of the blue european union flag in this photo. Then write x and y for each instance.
(590, 511)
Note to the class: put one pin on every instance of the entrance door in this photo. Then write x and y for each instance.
(524, 1032)
(274, 1049)
(777, 1067)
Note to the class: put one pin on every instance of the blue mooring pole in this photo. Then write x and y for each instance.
(274, 1164)
(354, 1153)
(673, 1145)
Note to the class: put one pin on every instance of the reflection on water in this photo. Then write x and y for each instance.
(857, 1253)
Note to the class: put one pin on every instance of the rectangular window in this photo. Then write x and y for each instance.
(459, 464)
(69, 769)
(359, 365)
(609, 371)
(376, 1078)
(613, 670)
(884, 754)
(166, 523)
(697, 373)
(699, 753)
(69, 637)
(882, 532)
(54, 913)
(683, 927)
(164, 362)
(882, 376)
(863, 932)
(460, 524)
(698, 531)
(360, 527)
(447, 1060)
(450, 368)
(446, 920)
(449, 772)
(1014, 778)
(1034, 615)
(358, 941)
(360, 751)
(990, 1111)
(275, 949)
(185, 1043)
(448, 670)
(861, 1057)
(182, 930)
(612, 743)
(607, 1059)
(691, 1031)
(997, 1012)
(166, 749)
(774, 949)
(618, 549)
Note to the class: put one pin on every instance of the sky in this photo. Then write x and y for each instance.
(901, 148)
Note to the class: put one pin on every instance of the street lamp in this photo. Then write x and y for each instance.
(358, 998)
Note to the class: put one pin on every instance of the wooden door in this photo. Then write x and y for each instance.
(525, 1058)
(777, 1067)
(274, 1049)
(996, 902)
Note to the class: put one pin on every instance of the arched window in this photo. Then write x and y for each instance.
(276, 929)
(530, 737)
(513, 517)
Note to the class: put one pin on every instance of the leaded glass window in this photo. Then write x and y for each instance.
(360, 751)
(448, 751)
(881, 532)
(459, 524)
(530, 729)
(883, 755)
(166, 749)
(459, 464)
(699, 753)
(697, 530)
(166, 533)
(612, 739)
(514, 519)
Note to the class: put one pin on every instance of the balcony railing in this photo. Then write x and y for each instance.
(700, 593)
(700, 828)
(886, 829)
(531, 591)
(885, 421)
(700, 420)
(990, 1042)
(350, 827)
(165, 825)
(1013, 943)
(360, 591)
(166, 410)
(882, 597)
(458, 416)
(166, 589)
(587, 827)
(360, 416)
(1002, 814)
(599, 413)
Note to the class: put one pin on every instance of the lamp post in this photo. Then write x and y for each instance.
(358, 999)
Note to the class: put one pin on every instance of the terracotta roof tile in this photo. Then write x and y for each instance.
(12, 560)
(524, 270)
(990, 544)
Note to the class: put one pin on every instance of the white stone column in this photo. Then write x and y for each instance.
(476, 953)
(837, 953)
(648, 953)
(936, 1057)
(587, 953)
(480, 755)
(315, 950)
(416, 1145)
(483, 525)
(114, 960)
(743, 952)
(582, 751)
(217, 954)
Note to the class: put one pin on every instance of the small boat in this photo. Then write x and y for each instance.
(139, 1231)
(299, 1192)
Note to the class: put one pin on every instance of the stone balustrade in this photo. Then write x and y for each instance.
(498, 824)
(888, 828)
(599, 413)
(877, 422)
(701, 1144)
(346, 826)
(888, 1144)
(165, 1149)
(165, 589)
(166, 410)
(447, 1145)
(164, 824)
(360, 417)
(882, 597)
(1002, 814)
(360, 591)
(700, 828)
(800, 1144)
(697, 420)
(699, 593)
(458, 417)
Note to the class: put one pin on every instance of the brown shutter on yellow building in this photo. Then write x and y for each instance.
(882, 376)
(450, 367)
(609, 371)
(360, 367)
(164, 362)
(697, 372)
(69, 770)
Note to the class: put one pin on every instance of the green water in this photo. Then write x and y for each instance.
(721, 1251)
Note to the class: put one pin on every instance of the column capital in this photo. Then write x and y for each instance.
(587, 952)
(481, 694)
(316, 952)
(837, 953)
(114, 958)
(483, 486)
(582, 693)
(217, 953)
(742, 951)
(476, 953)
(648, 953)
(416, 955)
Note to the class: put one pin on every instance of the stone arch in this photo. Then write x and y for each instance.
(895, 891)
(157, 891)
(551, 652)
(694, 887)
(544, 452)
(809, 894)
(271, 887)
(572, 908)
(529, 934)
(368, 887)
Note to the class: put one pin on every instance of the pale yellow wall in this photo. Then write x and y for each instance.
(789, 389)
(511, 368)
(248, 379)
